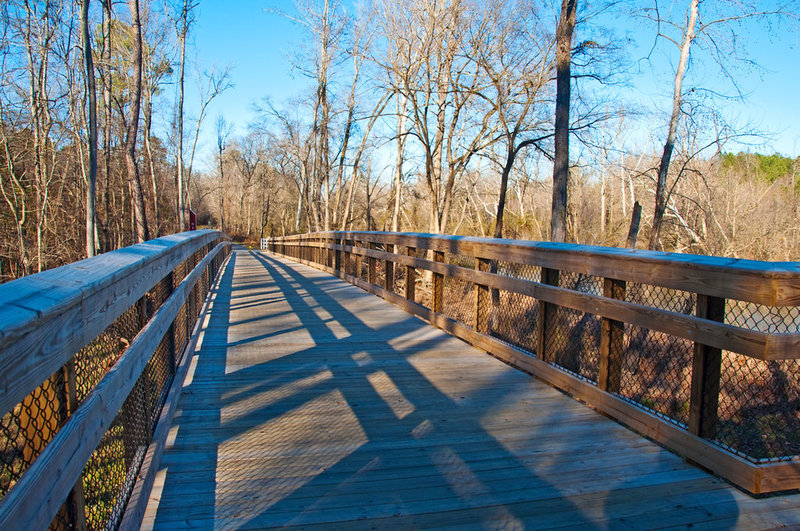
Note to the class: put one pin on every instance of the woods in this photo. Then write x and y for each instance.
(490, 118)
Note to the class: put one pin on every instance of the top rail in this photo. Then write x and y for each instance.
(45, 318)
(769, 283)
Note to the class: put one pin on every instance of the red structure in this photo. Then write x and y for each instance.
(192, 220)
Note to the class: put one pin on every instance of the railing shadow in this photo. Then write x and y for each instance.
(320, 415)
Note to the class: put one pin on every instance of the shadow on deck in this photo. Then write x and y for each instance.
(309, 402)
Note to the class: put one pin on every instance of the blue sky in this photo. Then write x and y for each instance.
(257, 44)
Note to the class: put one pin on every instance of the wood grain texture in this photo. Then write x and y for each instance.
(753, 343)
(771, 283)
(314, 404)
(46, 318)
(37, 496)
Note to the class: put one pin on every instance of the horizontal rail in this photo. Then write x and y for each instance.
(770, 283)
(725, 332)
(40, 492)
(105, 335)
(47, 317)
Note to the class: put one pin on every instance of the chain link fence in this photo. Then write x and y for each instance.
(98, 500)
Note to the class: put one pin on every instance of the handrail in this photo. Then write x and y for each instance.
(153, 290)
(693, 351)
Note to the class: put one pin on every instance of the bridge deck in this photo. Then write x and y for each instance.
(309, 402)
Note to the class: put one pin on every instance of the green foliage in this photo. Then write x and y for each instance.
(768, 168)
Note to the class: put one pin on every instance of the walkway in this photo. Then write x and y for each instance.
(312, 403)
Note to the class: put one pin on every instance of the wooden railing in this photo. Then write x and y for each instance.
(87, 354)
(698, 353)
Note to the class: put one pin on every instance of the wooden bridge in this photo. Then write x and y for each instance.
(301, 400)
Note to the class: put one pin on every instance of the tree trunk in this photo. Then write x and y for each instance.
(107, 117)
(179, 156)
(137, 195)
(148, 119)
(501, 201)
(566, 25)
(398, 172)
(669, 144)
(91, 244)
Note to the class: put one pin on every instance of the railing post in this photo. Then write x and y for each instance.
(546, 314)
(77, 495)
(482, 299)
(388, 269)
(350, 262)
(612, 341)
(438, 285)
(372, 272)
(359, 260)
(411, 276)
(706, 372)
(337, 255)
(345, 258)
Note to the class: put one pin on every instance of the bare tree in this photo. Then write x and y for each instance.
(134, 181)
(711, 33)
(211, 84)
(430, 57)
(566, 25)
(182, 24)
(223, 132)
(86, 41)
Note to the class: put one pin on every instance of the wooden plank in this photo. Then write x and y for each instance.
(770, 283)
(137, 504)
(37, 496)
(756, 344)
(51, 315)
(612, 342)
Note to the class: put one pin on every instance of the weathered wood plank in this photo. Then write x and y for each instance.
(771, 283)
(400, 428)
(49, 316)
(36, 497)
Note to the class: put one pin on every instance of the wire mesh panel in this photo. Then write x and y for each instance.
(759, 407)
(423, 293)
(26, 429)
(573, 341)
(514, 270)
(672, 300)
(657, 372)
(572, 338)
(99, 497)
(399, 281)
(513, 318)
(110, 473)
(459, 295)
(657, 367)
(380, 267)
(769, 319)
(93, 361)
